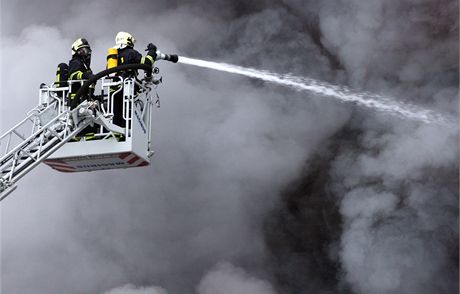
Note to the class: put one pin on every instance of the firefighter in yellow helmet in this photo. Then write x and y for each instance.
(79, 68)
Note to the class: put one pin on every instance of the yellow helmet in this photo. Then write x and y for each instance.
(78, 44)
(123, 40)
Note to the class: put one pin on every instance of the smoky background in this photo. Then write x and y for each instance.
(253, 188)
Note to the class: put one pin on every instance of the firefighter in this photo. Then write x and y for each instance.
(128, 55)
(79, 69)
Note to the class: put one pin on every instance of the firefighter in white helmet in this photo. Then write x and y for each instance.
(124, 43)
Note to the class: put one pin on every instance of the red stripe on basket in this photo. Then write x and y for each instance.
(124, 155)
(65, 170)
(143, 163)
(61, 165)
(133, 160)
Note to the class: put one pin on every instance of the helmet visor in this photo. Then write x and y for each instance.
(85, 51)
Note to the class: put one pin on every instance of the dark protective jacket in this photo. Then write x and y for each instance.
(78, 70)
(129, 55)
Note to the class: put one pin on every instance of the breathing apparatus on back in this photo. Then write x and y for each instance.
(112, 58)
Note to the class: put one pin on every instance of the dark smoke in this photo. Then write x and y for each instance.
(253, 188)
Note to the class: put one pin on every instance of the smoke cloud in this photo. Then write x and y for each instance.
(226, 279)
(253, 188)
(130, 289)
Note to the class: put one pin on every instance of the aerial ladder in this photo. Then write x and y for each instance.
(48, 132)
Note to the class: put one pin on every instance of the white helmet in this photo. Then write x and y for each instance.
(78, 44)
(123, 40)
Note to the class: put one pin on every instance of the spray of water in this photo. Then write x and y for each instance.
(342, 93)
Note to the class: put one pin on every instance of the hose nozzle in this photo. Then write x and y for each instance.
(169, 57)
(173, 58)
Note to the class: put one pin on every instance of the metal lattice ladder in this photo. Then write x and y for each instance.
(21, 153)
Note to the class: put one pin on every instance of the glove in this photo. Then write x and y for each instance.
(150, 46)
(152, 50)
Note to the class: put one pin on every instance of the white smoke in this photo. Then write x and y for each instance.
(393, 228)
(224, 278)
(131, 289)
(228, 279)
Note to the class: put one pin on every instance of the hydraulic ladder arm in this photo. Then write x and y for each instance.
(52, 125)
(20, 153)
